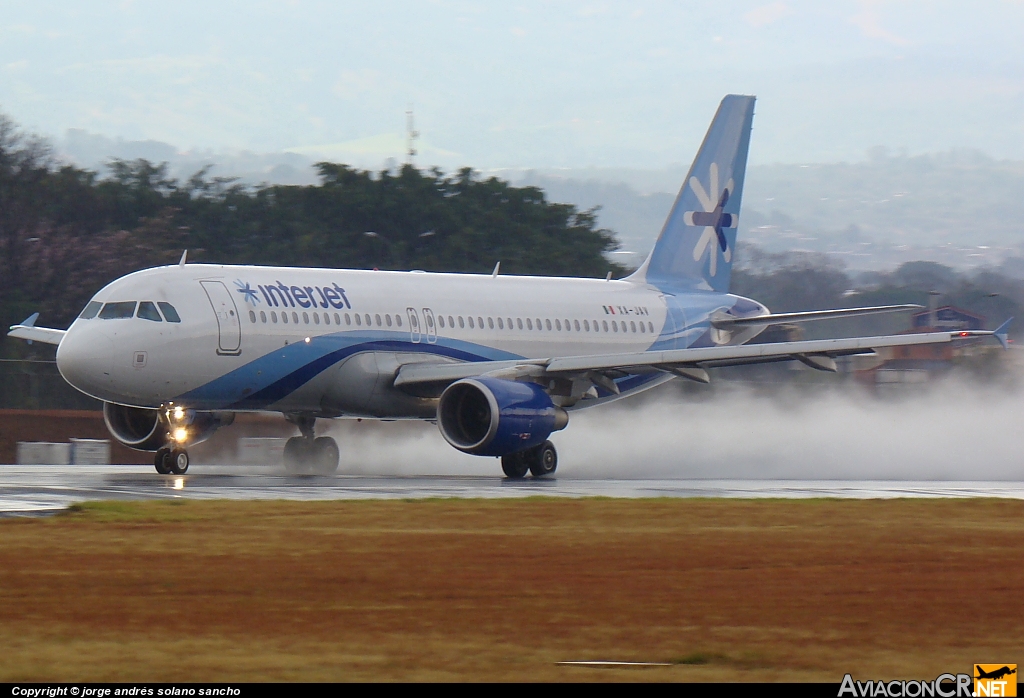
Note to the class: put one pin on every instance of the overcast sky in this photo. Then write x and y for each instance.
(520, 84)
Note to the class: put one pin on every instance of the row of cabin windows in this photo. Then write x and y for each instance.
(147, 310)
(473, 323)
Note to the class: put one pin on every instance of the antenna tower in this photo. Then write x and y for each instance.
(411, 135)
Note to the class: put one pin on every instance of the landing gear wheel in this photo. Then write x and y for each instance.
(179, 461)
(162, 461)
(325, 455)
(514, 465)
(543, 459)
(296, 454)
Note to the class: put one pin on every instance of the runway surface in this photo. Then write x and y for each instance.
(40, 489)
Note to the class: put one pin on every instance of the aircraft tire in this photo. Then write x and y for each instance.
(326, 454)
(543, 459)
(514, 465)
(179, 461)
(296, 453)
(162, 461)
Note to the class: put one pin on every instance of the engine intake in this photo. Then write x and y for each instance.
(146, 429)
(494, 417)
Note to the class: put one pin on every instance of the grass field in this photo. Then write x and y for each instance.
(730, 590)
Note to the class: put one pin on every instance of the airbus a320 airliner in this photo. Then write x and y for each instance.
(498, 361)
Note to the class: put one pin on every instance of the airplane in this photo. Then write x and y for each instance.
(499, 362)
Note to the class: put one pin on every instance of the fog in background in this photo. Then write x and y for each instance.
(954, 430)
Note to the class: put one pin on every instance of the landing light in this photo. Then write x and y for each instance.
(179, 413)
(180, 434)
(306, 340)
(179, 483)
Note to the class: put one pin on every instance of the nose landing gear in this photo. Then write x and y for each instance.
(171, 462)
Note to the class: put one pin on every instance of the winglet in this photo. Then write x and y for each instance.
(30, 321)
(181, 263)
(497, 268)
(1000, 333)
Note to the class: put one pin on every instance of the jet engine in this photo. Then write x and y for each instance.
(494, 417)
(146, 429)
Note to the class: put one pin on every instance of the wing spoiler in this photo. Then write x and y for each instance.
(27, 330)
(726, 321)
(816, 353)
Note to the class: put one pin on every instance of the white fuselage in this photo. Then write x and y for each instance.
(325, 342)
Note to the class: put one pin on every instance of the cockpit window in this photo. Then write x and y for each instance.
(169, 312)
(113, 311)
(90, 310)
(148, 311)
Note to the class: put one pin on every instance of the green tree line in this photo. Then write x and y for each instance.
(65, 232)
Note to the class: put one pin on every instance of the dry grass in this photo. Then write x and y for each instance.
(495, 590)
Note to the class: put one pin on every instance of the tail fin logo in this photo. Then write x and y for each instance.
(712, 218)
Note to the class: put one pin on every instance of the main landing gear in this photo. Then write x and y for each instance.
(539, 460)
(171, 461)
(307, 454)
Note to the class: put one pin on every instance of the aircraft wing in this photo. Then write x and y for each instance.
(818, 353)
(28, 330)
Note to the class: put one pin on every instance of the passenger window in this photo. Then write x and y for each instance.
(529, 324)
(398, 320)
(337, 319)
(632, 326)
(387, 319)
(576, 324)
(116, 311)
(252, 316)
(263, 316)
(316, 318)
(451, 322)
(480, 322)
(148, 311)
(170, 314)
(605, 323)
(615, 326)
(305, 318)
(327, 318)
(348, 319)
(440, 321)
(273, 316)
(295, 317)
(90, 310)
(539, 326)
(471, 323)
(367, 318)
(462, 324)
(490, 323)
(359, 320)
(650, 326)
(284, 318)
(377, 317)
(547, 323)
(558, 324)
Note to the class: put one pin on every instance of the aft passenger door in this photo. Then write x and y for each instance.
(414, 325)
(428, 320)
(229, 331)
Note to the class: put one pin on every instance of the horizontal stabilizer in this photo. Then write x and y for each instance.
(27, 330)
(725, 321)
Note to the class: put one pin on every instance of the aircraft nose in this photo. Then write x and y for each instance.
(85, 357)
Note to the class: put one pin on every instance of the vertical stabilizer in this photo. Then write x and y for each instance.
(697, 244)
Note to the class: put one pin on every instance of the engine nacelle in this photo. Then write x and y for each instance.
(146, 429)
(493, 417)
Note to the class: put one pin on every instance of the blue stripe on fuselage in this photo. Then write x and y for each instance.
(277, 374)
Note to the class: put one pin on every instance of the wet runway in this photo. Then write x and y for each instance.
(39, 489)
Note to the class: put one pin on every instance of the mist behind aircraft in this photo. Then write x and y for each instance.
(951, 430)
